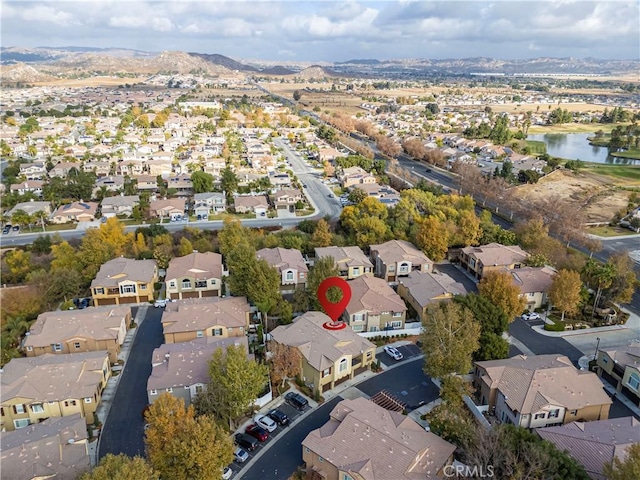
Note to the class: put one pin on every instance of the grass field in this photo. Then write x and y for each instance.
(635, 154)
(573, 128)
(628, 174)
(609, 231)
(537, 147)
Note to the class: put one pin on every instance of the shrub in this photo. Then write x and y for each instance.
(554, 327)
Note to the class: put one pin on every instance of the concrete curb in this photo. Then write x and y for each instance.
(569, 333)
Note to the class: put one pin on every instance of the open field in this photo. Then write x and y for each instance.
(597, 196)
(622, 175)
(573, 128)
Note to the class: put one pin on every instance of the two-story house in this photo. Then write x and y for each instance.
(34, 389)
(540, 391)
(124, 280)
(398, 258)
(119, 205)
(290, 265)
(109, 183)
(351, 261)
(76, 331)
(182, 369)
(28, 186)
(287, 198)
(250, 203)
(57, 446)
(356, 176)
(420, 290)
(33, 171)
(374, 306)
(621, 368)
(209, 202)
(492, 257)
(186, 320)
(195, 275)
(362, 440)
(62, 169)
(328, 357)
(75, 212)
(167, 208)
(534, 283)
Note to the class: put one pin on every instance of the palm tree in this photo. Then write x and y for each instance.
(600, 276)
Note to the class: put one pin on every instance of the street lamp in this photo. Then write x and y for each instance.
(595, 356)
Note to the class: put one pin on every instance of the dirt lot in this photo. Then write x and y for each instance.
(599, 197)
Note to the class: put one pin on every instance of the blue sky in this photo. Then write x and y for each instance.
(333, 30)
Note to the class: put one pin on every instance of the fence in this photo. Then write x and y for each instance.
(414, 328)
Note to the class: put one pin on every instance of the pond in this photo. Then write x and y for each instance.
(575, 146)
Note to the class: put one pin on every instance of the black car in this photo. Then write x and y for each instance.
(279, 417)
(6, 229)
(246, 441)
(296, 400)
(16, 228)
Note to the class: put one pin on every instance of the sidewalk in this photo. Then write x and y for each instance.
(112, 385)
(633, 323)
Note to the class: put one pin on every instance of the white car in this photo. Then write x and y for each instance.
(531, 316)
(161, 303)
(393, 352)
(265, 422)
(226, 473)
(240, 455)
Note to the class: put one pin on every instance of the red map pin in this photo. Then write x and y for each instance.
(334, 310)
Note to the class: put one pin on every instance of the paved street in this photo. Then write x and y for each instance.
(124, 429)
(541, 344)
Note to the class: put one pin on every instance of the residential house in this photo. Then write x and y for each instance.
(34, 389)
(111, 183)
(280, 181)
(31, 207)
(329, 357)
(28, 186)
(186, 320)
(159, 167)
(362, 440)
(250, 203)
(33, 170)
(75, 212)
(351, 261)
(287, 199)
(491, 257)
(101, 169)
(398, 258)
(124, 280)
(621, 368)
(131, 167)
(355, 176)
(146, 183)
(595, 444)
(120, 205)
(290, 265)
(384, 193)
(420, 290)
(62, 169)
(374, 306)
(182, 184)
(182, 369)
(534, 283)
(75, 331)
(170, 207)
(195, 275)
(54, 448)
(209, 202)
(540, 391)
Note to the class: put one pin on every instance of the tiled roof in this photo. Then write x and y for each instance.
(595, 444)
(532, 279)
(196, 265)
(425, 286)
(495, 254)
(122, 269)
(345, 257)
(201, 313)
(374, 295)
(283, 258)
(363, 438)
(399, 250)
(319, 346)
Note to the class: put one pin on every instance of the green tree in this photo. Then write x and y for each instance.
(184, 247)
(19, 263)
(202, 182)
(65, 257)
(323, 268)
(183, 447)
(321, 236)
(450, 337)
(432, 238)
(64, 285)
(229, 183)
(624, 282)
(565, 291)
(121, 467)
(236, 381)
(627, 468)
(356, 195)
(263, 289)
(499, 289)
(599, 276)
(493, 322)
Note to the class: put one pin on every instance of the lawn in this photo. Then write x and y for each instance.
(607, 231)
(62, 226)
(537, 147)
(573, 128)
(630, 173)
(635, 154)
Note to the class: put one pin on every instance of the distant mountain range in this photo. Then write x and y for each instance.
(55, 60)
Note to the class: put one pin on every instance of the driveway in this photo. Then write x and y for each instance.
(541, 344)
(123, 430)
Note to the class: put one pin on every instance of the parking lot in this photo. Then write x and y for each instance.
(407, 351)
(292, 413)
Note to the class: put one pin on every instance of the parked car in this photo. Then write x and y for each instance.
(393, 352)
(240, 455)
(226, 473)
(6, 229)
(257, 431)
(296, 400)
(265, 422)
(160, 303)
(531, 316)
(16, 228)
(279, 417)
(246, 441)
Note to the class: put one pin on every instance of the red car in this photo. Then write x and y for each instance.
(257, 432)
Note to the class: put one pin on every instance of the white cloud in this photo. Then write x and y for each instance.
(41, 13)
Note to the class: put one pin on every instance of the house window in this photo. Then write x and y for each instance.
(395, 324)
(357, 328)
(373, 329)
(172, 284)
(76, 345)
(19, 408)
(289, 276)
(37, 408)
(321, 459)
(153, 392)
(57, 347)
(554, 413)
(142, 286)
(605, 360)
(199, 388)
(403, 268)
(325, 372)
(356, 270)
(540, 415)
(634, 381)
(186, 283)
(574, 412)
(69, 403)
(29, 348)
(397, 314)
(358, 317)
(24, 422)
(216, 332)
(98, 291)
(369, 354)
(1, 411)
(199, 334)
(127, 289)
(306, 449)
(169, 390)
(346, 477)
(517, 265)
(87, 400)
(343, 365)
(201, 284)
(213, 282)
